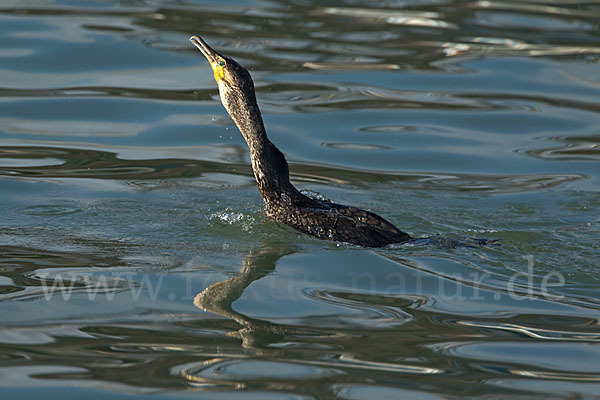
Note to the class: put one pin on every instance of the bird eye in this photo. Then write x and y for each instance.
(222, 63)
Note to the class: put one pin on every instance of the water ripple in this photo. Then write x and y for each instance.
(507, 47)
(78, 163)
(384, 313)
(54, 209)
(535, 360)
(573, 148)
(536, 333)
(101, 91)
(451, 117)
(239, 372)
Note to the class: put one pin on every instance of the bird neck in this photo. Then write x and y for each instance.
(269, 165)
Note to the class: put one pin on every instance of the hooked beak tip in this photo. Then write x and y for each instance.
(203, 47)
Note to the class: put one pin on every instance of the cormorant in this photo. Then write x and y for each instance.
(283, 202)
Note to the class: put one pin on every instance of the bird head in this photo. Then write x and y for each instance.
(234, 81)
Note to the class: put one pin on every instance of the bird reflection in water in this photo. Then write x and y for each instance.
(219, 297)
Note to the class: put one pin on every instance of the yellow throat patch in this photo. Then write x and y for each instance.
(218, 71)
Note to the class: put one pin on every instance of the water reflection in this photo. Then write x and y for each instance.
(80, 163)
(262, 338)
(428, 345)
(451, 117)
(572, 148)
(32, 162)
(101, 91)
(538, 333)
(219, 297)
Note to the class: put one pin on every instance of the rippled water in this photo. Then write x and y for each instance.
(134, 254)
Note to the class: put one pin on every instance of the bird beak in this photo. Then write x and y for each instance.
(204, 48)
(210, 55)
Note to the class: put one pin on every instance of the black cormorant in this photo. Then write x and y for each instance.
(283, 202)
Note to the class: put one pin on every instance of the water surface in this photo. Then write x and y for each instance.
(135, 257)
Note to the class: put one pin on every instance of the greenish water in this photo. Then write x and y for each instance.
(135, 258)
